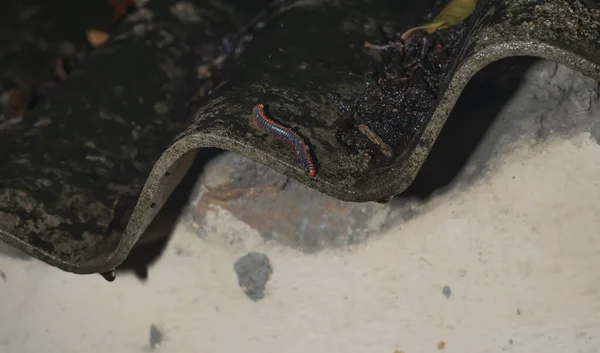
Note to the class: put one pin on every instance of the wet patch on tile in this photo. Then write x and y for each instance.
(446, 291)
(253, 271)
(156, 336)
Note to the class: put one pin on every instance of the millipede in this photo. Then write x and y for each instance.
(287, 135)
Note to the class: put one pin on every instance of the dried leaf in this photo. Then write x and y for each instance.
(203, 72)
(60, 70)
(18, 100)
(97, 38)
(454, 13)
(120, 8)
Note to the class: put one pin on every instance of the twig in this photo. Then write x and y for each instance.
(373, 137)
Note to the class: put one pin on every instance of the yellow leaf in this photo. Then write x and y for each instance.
(97, 38)
(454, 13)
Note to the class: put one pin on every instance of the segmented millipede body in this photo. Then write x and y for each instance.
(287, 135)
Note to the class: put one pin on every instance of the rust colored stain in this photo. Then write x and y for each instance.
(279, 209)
(441, 345)
(276, 212)
(236, 201)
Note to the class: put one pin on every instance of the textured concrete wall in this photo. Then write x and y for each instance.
(505, 259)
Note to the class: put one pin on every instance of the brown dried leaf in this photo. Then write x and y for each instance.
(60, 70)
(454, 13)
(97, 38)
(18, 100)
(120, 8)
